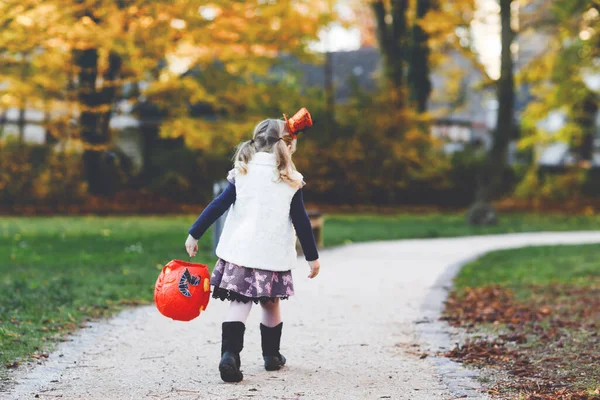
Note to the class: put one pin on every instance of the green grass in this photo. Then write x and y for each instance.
(521, 268)
(341, 229)
(56, 272)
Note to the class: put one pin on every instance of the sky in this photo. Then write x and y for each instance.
(486, 35)
(336, 37)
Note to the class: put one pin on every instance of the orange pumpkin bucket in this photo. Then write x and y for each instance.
(182, 290)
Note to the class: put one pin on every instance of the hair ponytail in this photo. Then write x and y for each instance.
(243, 155)
(285, 165)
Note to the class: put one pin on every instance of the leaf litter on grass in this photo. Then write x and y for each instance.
(544, 347)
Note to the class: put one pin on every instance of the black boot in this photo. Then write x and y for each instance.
(270, 340)
(231, 345)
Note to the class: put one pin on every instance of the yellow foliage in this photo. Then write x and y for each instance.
(38, 41)
(558, 187)
(554, 76)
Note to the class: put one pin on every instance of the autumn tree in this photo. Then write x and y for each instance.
(105, 45)
(417, 36)
(29, 78)
(490, 178)
(561, 76)
(562, 79)
(449, 45)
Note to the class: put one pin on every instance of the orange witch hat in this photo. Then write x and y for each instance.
(299, 122)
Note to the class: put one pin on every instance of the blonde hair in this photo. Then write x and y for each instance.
(270, 136)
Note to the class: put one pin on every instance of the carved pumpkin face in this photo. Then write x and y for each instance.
(182, 290)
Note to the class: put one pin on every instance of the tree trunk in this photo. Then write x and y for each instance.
(490, 178)
(418, 73)
(585, 117)
(109, 92)
(21, 121)
(48, 139)
(150, 119)
(329, 93)
(400, 41)
(100, 165)
(393, 43)
(22, 100)
(87, 63)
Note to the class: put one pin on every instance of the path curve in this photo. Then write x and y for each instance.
(349, 334)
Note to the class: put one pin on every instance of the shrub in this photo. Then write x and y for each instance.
(31, 174)
(17, 172)
(591, 183)
(551, 184)
(61, 180)
(187, 176)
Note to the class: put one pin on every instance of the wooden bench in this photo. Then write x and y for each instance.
(317, 220)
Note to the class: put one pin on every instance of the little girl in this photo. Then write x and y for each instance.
(257, 247)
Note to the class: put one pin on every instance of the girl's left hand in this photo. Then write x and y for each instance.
(191, 245)
(315, 267)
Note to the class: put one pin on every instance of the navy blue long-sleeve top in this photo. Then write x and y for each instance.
(298, 214)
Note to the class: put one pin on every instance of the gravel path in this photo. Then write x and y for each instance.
(349, 334)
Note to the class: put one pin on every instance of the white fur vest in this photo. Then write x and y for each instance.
(258, 231)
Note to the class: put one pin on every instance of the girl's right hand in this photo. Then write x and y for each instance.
(315, 266)
(191, 245)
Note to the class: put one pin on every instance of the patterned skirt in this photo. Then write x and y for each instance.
(236, 283)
